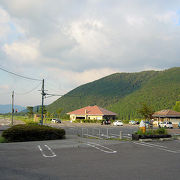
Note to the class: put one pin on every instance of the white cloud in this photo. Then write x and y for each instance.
(79, 78)
(75, 42)
(135, 20)
(89, 35)
(23, 51)
(168, 17)
(4, 87)
(4, 26)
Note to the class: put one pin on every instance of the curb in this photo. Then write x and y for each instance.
(160, 139)
(145, 140)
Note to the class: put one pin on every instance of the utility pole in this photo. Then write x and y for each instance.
(12, 107)
(43, 94)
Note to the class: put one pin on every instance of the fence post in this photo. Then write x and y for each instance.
(87, 132)
(107, 133)
(99, 133)
(120, 135)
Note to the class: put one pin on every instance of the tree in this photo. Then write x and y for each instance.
(58, 111)
(177, 106)
(30, 111)
(48, 114)
(44, 110)
(52, 115)
(146, 111)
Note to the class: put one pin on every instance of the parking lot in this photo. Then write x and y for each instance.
(84, 157)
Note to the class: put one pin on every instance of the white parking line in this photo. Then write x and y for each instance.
(156, 146)
(101, 148)
(53, 154)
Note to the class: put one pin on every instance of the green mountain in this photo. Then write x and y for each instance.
(123, 93)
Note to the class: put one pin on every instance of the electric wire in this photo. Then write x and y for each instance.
(20, 75)
(28, 92)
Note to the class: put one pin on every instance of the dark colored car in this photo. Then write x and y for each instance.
(106, 122)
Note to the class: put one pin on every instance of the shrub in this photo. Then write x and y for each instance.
(77, 121)
(126, 121)
(32, 132)
(160, 131)
(2, 140)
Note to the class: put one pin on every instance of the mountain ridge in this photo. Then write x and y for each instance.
(7, 108)
(124, 92)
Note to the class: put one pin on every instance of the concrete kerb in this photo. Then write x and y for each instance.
(160, 139)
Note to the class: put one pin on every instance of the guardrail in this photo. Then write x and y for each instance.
(103, 133)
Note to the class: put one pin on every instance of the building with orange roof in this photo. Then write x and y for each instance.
(92, 113)
(167, 115)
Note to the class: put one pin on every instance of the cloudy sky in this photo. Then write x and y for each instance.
(72, 42)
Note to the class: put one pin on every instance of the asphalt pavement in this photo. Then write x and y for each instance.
(81, 158)
(76, 158)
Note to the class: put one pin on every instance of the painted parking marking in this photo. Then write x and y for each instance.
(101, 148)
(52, 154)
(157, 147)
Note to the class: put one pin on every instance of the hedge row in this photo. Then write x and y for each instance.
(87, 121)
(32, 132)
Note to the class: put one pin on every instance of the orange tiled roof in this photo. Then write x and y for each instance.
(166, 113)
(92, 110)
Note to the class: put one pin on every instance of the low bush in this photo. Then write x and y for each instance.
(32, 132)
(125, 121)
(2, 140)
(160, 131)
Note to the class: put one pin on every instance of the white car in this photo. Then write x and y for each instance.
(132, 122)
(56, 120)
(166, 124)
(118, 123)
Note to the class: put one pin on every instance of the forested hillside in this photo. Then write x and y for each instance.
(124, 92)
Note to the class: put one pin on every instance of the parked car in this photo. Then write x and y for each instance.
(106, 122)
(55, 120)
(179, 125)
(166, 124)
(148, 124)
(132, 122)
(118, 123)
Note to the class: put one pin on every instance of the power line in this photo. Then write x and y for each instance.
(51, 95)
(20, 75)
(28, 92)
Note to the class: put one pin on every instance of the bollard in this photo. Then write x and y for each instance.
(120, 135)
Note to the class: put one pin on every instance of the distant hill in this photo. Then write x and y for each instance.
(123, 93)
(8, 108)
(35, 109)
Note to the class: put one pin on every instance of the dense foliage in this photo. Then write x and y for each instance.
(177, 106)
(32, 132)
(124, 93)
